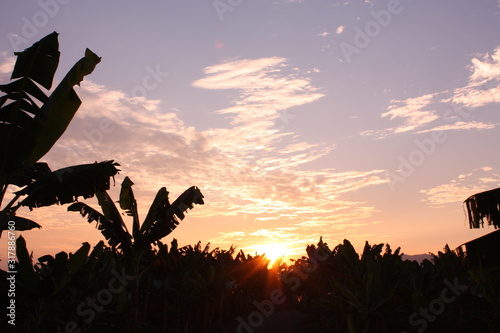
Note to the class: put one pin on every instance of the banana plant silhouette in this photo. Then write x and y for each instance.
(31, 122)
(160, 221)
(484, 207)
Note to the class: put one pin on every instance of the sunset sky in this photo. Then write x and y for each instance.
(365, 120)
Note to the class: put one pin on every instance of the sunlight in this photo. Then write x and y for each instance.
(273, 251)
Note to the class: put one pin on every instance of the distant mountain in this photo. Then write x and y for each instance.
(418, 257)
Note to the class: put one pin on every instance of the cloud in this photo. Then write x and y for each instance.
(411, 110)
(228, 237)
(461, 125)
(486, 67)
(6, 66)
(340, 29)
(484, 81)
(254, 169)
(265, 87)
(462, 187)
(483, 88)
(476, 96)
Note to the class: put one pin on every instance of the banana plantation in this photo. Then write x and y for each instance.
(196, 289)
(134, 282)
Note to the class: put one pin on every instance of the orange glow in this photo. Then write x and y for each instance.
(273, 251)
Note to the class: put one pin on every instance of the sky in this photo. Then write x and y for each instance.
(360, 120)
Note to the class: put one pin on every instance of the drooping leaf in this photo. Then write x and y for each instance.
(21, 223)
(67, 184)
(29, 174)
(186, 201)
(117, 229)
(114, 233)
(484, 206)
(89, 212)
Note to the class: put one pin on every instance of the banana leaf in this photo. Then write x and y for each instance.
(21, 223)
(164, 217)
(62, 105)
(27, 130)
(29, 174)
(66, 185)
(113, 230)
(26, 270)
(483, 207)
(129, 205)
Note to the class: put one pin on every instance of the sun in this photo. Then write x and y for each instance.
(273, 251)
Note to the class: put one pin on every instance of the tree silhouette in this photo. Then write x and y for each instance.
(483, 207)
(162, 218)
(30, 124)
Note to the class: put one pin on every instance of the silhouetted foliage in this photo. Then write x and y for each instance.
(484, 206)
(30, 124)
(196, 289)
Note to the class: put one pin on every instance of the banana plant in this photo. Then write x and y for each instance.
(31, 121)
(161, 219)
(43, 187)
(38, 286)
(483, 207)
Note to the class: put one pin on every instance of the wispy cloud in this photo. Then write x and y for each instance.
(417, 113)
(484, 81)
(462, 187)
(412, 111)
(254, 168)
(266, 88)
(461, 125)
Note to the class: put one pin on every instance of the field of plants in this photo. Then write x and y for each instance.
(196, 289)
